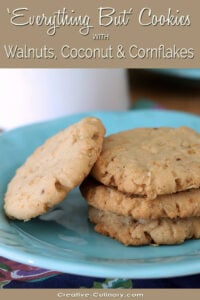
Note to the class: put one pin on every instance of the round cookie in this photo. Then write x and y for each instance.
(144, 232)
(182, 204)
(54, 169)
(150, 161)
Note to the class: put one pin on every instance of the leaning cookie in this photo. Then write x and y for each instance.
(178, 205)
(54, 169)
(144, 232)
(150, 161)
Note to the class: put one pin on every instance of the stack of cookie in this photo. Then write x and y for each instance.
(144, 187)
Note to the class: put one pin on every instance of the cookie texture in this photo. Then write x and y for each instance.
(179, 205)
(150, 161)
(54, 169)
(143, 232)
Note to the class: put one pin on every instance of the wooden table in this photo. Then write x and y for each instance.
(170, 93)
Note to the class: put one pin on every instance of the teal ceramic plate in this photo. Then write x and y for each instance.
(191, 74)
(63, 239)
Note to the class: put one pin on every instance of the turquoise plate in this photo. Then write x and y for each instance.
(63, 239)
(191, 74)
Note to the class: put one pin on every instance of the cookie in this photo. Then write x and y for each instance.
(134, 232)
(181, 204)
(54, 169)
(150, 161)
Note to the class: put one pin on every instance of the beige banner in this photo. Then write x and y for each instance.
(88, 33)
(92, 294)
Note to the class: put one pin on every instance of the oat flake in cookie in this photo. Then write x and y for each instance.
(150, 161)
(54, 169)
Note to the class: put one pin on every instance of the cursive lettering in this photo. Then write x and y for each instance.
(21, 17)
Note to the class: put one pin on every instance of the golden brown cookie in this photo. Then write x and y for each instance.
(54, 169)
(181, 204)
(143, 232)
(150, 161)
